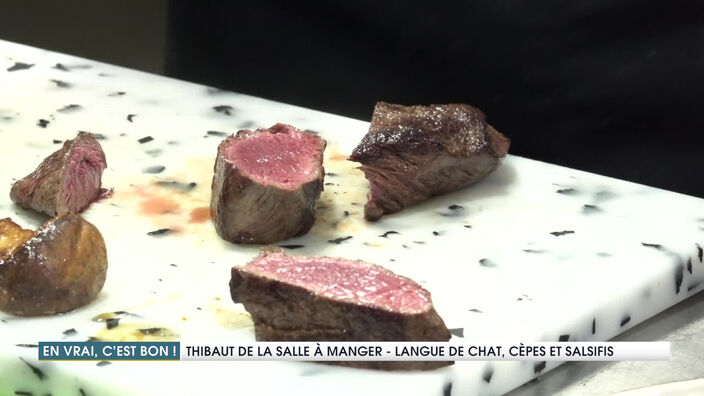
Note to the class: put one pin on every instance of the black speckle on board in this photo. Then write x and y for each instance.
(225, 109)
(152, 330)
(177, 185)
(485, 262)
(594, 326)
(329, 184)
(692, 286)
(173, 265)
(679, 275)
(467, 226)
(625, 320)
(534, 251)
(475, 310)
(338, 241)
(100, 136)
(604, 195)
(563, 338)
(292, 246)
(311, 131)
(56, 141)
(20, 66)
(689, 265)
(387, 233)
(160, 231)
(213, 90)
(700, 254)
(561, 233)
(82, 392)
(310, 373)
(652, 245)
(154, 152)
(437, 233)
(487, 374)
(112, 323)
(118, 93)
(331, 174)
(93, 339)
(145, 139)
(70, 332)
(419, 242)
(42, 123)
(154, 169)
(457, 332)
(103, 363)
(587, 209)
(447, 389)
(62, 67)
(131, 117)
(538, 367)
(24, 393)
(69, 108)
(38, 372)
(452, 210)
(346, 213)
(566, 191)
(61, 84)
(216, 133)
(27, 345)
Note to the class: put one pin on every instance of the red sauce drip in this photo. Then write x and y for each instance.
(200, 214)
(154, 205)
(338, 157)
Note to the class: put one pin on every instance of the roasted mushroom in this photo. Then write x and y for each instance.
(59, 267)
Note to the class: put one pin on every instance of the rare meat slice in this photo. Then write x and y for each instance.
(266, 184)
(67, 181)
(298, 298)
(412, 153)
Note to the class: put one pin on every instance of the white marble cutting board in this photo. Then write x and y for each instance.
(495, 256)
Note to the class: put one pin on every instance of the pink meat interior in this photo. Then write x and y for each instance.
(82, 177)
(285, 160)
(345, 280)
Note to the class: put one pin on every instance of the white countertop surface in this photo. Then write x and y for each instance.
(536, 252)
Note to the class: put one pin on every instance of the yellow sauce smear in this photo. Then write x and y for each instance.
(345, 185)
(189, 211)
(136, 332)
(231, 319)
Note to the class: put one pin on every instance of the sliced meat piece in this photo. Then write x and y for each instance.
(298, 298)
(59, 267)
(266, 184)
(67, 181)
(412, 153)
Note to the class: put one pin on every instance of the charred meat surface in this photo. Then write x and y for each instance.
(412, 153)
(59, 267)
(266, 184)
(67, 181)
(299, 298)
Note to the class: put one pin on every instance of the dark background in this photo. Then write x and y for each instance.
(614, 87)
